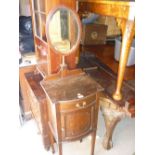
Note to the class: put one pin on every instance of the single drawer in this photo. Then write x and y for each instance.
(82, 103)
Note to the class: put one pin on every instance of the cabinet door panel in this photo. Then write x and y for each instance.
(77, 124)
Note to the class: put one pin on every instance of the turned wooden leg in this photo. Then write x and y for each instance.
(128, 31)
(93, 142)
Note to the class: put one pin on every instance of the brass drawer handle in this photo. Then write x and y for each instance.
(77, 105)
(80, 105)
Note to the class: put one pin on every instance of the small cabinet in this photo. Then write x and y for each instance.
(72, 104)
(77, 120)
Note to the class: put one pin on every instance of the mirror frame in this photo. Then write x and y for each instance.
(77, 19)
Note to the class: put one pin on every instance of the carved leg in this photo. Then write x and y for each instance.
(110, 123)
(128, 31)
(112, 114)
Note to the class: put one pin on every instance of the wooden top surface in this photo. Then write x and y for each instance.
(119, 2)
(70, 88)
(106, 78)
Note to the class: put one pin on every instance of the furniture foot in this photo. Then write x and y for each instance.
(60, 148)
(117, 96)
(46, 142)
(47, 148)
(52, 144)
(52, 148)
(112, 114)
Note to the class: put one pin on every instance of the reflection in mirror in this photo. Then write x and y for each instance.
(62, 30)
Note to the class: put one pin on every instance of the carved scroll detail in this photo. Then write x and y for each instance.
(112, 114)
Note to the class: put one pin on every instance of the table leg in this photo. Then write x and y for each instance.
(60, 148)
(112, 114)
(128, 31)
(110, 123)
(93, 142)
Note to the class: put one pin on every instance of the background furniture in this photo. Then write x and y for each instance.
(113, 111)
(124, 12)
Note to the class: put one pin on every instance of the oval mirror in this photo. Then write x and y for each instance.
(63, 30)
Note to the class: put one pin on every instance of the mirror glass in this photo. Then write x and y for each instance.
(62, 30)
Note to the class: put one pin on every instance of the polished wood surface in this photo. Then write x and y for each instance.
(124, 11)
(107, 79)
(105, 53)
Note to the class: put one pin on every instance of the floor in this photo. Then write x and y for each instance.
(123, 140)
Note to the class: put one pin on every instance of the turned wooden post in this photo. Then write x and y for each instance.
(128, 31)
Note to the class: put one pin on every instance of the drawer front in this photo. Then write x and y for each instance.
(77, 104)
(34, 107)
(79, 123)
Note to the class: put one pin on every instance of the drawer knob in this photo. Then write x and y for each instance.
(84, 103)
(77, 105)
(80, 105)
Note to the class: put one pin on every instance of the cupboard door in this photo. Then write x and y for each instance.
(77, 123)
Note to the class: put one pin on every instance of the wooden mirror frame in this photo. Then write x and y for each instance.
(77, 19)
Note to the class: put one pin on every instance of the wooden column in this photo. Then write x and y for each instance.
(128, 31)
